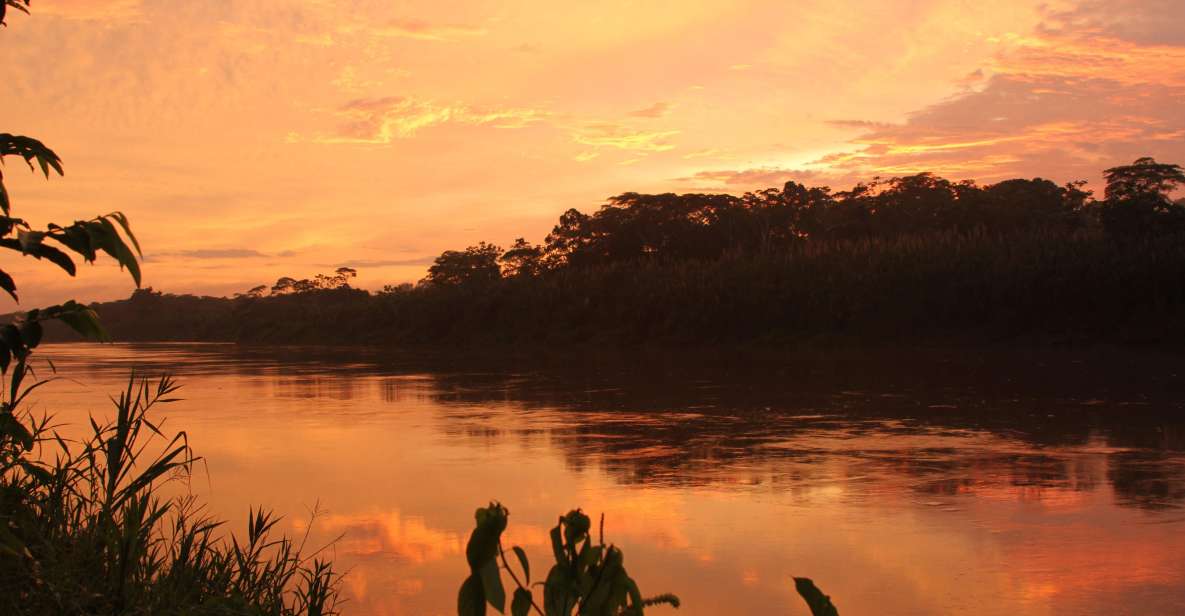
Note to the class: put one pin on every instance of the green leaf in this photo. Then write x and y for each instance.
(819, 603)
(79, 318)
(36, 470)
(557, 545)
(55, 256)
(555, 592)
(127, 229)
(8, 284)
(29, 239)
(112, 244)
(12, 427)
(521, 605)
(522, 560)
(589, 555)
(75, 238)
(491, 584)
(30, 149)
(470, 600)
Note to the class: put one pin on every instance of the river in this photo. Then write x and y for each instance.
(941, 482)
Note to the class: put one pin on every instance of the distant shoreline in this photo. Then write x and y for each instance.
(946, 290)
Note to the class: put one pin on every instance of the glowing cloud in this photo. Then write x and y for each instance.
(383, 120)
(612, 136)
(423, 127)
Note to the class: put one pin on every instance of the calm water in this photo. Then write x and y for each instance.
(902, 483)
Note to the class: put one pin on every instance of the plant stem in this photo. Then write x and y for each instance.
(506, 565)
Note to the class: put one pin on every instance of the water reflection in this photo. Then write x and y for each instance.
(930, 484)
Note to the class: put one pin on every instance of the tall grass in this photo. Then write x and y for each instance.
(84, 528)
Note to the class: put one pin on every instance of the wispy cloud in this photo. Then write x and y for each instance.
(385, 119)
(624, 138)
(418, 30)
(858, 124)
(211, 253)
(702, 153)
(363, 263)
(1015, 125)
(758, 177)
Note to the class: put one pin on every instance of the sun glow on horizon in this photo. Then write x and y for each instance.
(267, 139)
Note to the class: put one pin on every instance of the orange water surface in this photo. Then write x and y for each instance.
(900, 485)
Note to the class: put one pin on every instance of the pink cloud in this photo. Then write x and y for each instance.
(1096, 85)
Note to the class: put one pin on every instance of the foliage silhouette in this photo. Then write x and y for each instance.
(87, 531)
(917, 258)
(819, 603)
(1139, 199)
(475, 265)
(586, 578)
(522, 259)
(340, 279)
(20, 5)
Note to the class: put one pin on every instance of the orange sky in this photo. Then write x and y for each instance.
(265, 138)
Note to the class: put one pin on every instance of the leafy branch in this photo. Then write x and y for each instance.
(20, 5)
(86, 239)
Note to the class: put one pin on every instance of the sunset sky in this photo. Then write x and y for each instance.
(251, 139)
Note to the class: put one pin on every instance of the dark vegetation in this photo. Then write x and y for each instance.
(587, 578)
(84, 525)
(916, 258)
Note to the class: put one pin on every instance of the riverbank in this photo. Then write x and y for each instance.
(967, 291)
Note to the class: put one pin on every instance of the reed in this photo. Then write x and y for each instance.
(85, 528)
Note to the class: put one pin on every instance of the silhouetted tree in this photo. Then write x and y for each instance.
(476, 264)
(257, 291)
(568, 240)
(787, 216)
(522, 259)
(1138, 201)
(339, 280)
(1019, 203)
(283, 285)
(392, 289)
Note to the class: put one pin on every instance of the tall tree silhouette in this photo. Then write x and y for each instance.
(1139, 199)
(475, 264)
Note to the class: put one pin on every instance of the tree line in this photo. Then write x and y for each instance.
(696, 227)
(908, 259)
